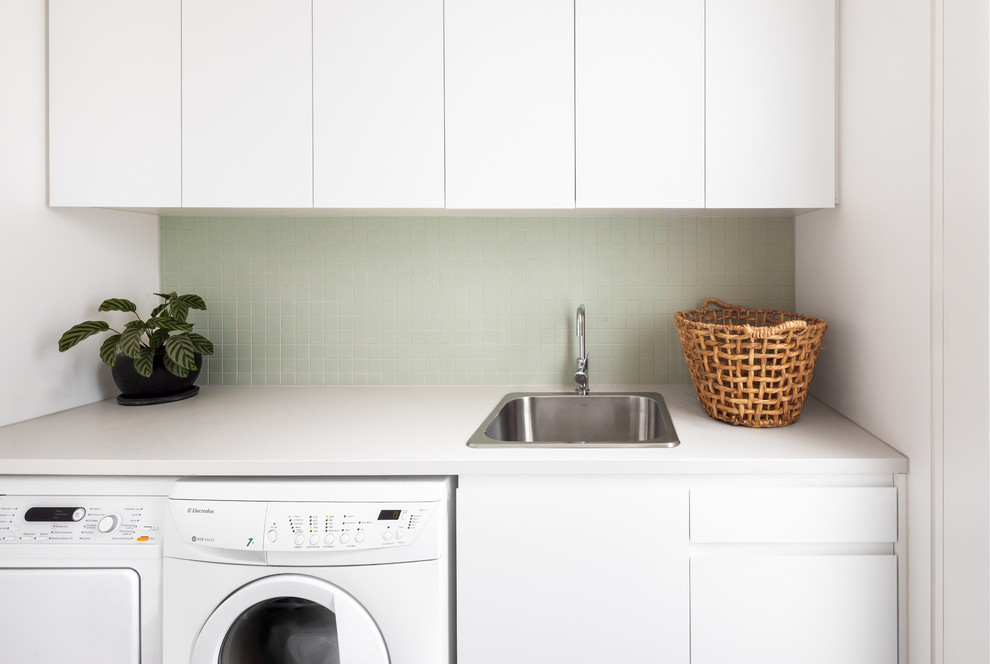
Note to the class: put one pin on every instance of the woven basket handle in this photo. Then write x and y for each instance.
(763, 332)
(720, 303)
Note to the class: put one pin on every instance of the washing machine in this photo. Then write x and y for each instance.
(301, 571)
(80, 574)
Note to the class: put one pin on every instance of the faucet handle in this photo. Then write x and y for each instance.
(581, 375)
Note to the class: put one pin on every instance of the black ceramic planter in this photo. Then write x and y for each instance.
(160, 387)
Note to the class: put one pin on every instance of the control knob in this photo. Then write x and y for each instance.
(108, 524)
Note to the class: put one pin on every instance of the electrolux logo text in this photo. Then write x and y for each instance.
(197, 510)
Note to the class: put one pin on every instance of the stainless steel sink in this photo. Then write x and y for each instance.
(573, 420)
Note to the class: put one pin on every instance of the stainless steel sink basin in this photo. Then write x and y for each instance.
(574, 420)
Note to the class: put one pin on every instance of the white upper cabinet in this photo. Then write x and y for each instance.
(509, 103)
(378, 103)
(463, 104)
(247, 103)
(770, 103)
(114, 98)
(640, 103)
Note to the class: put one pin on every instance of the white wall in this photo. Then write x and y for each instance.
(56, 265)
(962, 506)
(865, 266)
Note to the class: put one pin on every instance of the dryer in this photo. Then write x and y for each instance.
(80, 575)
(299, 571)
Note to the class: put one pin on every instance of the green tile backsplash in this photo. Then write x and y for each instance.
(463, 301)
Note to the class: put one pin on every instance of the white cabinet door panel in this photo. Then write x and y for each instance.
(378, 103)
(787, 609)
(114, 103)
(509, 103)
(640, 103)
(770, 103)
(572, 575)
(247, 113)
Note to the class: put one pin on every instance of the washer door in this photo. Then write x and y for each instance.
(290, 619)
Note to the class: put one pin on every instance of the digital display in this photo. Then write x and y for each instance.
(389, 515)
(53, 514)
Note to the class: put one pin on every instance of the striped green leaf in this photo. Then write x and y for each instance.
(157, 338)
(108, 351)
(180, 350)
(130, 341)
(193, 301)
(118, 304)
(180, 310)
(201, 343)
(170, 324)
(167, 296)
(77, 333)
(144, 362)
(159, 310)
(174, 368)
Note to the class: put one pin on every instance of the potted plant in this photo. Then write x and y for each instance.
(154, 360)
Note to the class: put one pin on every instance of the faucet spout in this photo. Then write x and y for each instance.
(581, 375)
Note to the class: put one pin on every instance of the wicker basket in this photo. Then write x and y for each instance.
(750, 366)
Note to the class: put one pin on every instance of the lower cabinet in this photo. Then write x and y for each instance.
(782, 609)
(676, 570)
(570, 574)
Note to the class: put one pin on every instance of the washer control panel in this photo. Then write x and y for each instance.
(281, 526)
(81, 520)
(324, 526)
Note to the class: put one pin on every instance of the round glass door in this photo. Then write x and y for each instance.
(290, 619)
(284, 630)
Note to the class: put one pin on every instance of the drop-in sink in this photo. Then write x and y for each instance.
(575, 420)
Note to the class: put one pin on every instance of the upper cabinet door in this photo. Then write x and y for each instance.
(114, 103)
(640, 103)
(378, 103)
(770, 107)
(509, 103)
(247, 106)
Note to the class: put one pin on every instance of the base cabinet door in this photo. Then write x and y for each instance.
(576, 575)
(794, 608)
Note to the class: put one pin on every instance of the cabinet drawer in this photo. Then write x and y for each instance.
(793, 514)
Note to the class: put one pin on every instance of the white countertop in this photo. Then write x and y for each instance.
(314, 431)
(330, 431)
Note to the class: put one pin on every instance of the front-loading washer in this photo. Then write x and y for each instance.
(301, 571)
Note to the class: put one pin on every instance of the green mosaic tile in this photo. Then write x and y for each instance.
(463, 301)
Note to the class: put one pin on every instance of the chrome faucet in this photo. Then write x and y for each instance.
(581, 375)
